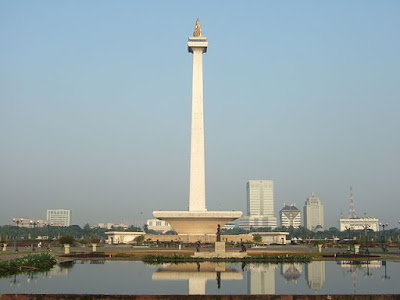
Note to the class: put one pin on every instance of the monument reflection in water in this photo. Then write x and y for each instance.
(197, 274)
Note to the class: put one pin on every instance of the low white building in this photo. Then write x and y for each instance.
(158, 225)
(111, 225)
(122, 237)
(28, 223)
(359, 224)
(272, 237)
(230, 225)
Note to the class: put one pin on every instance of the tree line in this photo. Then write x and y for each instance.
(12, 232)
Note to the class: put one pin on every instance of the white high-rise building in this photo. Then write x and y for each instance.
(59, 217)
(260, 205)
(313, 213)
(260, 198)
(290, 215)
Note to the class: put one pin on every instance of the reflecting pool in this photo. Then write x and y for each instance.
(133, 277)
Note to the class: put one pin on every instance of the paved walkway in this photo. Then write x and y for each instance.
(10, 253)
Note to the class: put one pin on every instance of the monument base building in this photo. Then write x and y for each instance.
(197, 223)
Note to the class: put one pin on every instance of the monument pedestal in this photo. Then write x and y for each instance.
(219, 252)
(197, 223)
(219, 247)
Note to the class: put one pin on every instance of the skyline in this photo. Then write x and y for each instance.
(95, 103)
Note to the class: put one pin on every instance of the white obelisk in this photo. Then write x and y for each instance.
(197, 196)
(197, 220)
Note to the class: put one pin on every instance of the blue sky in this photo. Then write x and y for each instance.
(95, 105)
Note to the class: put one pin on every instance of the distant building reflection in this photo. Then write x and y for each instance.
(315, 274)
(353, 267)
(372, 264)
(58, 270)
(291, 272)
(261, 279)
(197, 274)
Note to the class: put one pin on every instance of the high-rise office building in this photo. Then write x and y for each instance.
(260, 205)
(313, 213)
(59, 217)
(260, 198)
(290, 215)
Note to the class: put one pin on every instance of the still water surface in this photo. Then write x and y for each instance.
(133, 277)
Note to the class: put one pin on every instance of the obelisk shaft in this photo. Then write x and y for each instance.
(197, 198)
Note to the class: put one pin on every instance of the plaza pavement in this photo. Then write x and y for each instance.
(10, 253)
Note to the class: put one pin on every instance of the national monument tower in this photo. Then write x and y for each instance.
(197, 221)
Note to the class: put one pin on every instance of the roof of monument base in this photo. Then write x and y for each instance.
(194, 214)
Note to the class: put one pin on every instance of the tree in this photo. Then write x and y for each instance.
(66, 240)
(257, 238)
(86, 228)
(95, 240)
(334, 230)
(133, 229)
(139, 239)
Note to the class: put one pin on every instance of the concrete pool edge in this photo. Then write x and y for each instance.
(196, 297)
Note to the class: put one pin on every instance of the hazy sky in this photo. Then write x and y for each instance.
(95, 101)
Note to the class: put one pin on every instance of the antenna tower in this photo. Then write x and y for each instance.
(352, 210)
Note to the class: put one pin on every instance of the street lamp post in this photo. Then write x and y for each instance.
(48, 234)
(383, 225)
(349, 233)
(384, 277)
(33, 223)
(366, 236)
(17, 221)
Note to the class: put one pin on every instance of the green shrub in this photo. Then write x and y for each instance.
(29, 263)
(66, 240)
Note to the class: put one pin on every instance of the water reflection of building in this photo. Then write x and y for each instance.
(353, 267)
(315, 274)
(58, 270)
(197, 274)
(261, 279)
(349, 264)
(291, 272)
